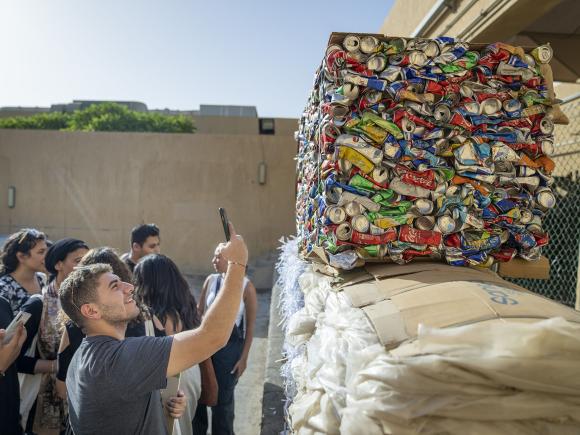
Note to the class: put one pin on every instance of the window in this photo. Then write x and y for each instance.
(267, 126)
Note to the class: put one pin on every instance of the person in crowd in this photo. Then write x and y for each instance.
(21, 267)
(144, 324)
(161, 287)
(9, 387)
(21, 283)
(144, 241)
(113, 382)
(231, 361)
(44, 328)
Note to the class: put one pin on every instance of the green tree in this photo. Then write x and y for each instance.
(40, 121)
(103, 117)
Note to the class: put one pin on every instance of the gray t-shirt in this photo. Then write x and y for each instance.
(113, 385)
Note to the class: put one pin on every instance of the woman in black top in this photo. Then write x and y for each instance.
(162, 288)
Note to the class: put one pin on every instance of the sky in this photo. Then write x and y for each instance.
(174, 54)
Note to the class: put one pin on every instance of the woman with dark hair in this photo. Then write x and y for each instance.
(21, 266)
(60, 260)
(160, 286)
(21, 283)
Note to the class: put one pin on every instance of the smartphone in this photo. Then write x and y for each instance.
(224, 218)
(21, 317)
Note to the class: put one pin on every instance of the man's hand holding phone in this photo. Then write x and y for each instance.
(235, 251)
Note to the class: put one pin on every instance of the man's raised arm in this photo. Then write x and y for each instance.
(192, 347)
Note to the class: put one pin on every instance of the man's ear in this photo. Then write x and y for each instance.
(58, 266)
(136, 247)
(90, 311)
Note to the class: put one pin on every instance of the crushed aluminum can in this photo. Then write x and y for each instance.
(408, 126)
(376, 231)
(350, 91)
(380, 175)
(344, 260)
(446, 224)
(425, 223)
(472, 107)
(351, 43)
(490, 106)
(421, 237)
(524, 171)
(379, 251)
(547, 147)
(543, 53)
(335, 214)
(397, 45)
(466, 91)
(353, 208)
(375, 155)
(512, 105)
(431, 49)
(526, 216)
(423, 206)
(360, 223)
(545, 198)
(391, 73)
(369, 44)
(505, 69)
(442, 113)
(366, 202)
(377, 62)
(546, 125)
(369, 239)
(344, 166)
(343, 232)
(418, 58)
(399, 60)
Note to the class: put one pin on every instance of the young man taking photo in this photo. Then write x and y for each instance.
(144, 241)
(113, 382)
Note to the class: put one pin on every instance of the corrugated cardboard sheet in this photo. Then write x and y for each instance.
(397, 299)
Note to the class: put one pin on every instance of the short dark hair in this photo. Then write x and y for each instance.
(80, 288)
(141, 232)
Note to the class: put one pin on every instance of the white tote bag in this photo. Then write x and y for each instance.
(29, 386)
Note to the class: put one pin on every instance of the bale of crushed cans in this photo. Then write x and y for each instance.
(426, 148)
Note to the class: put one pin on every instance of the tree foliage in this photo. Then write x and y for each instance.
(102, 117)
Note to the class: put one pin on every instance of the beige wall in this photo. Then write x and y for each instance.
(480, 21)
(96, 186)
(242, 125)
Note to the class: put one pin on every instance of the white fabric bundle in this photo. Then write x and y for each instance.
(494, 377)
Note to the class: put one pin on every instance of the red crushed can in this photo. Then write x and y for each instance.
(505, 254)
(368, 239)
(459, 120)
(421, 237)
(425, 179)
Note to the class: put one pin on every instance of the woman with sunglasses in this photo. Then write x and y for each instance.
(21, 267)
(21, 283)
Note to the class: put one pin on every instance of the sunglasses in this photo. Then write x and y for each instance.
(30, 232)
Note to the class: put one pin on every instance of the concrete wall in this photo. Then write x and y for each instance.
(96, 186)
(241, 125)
